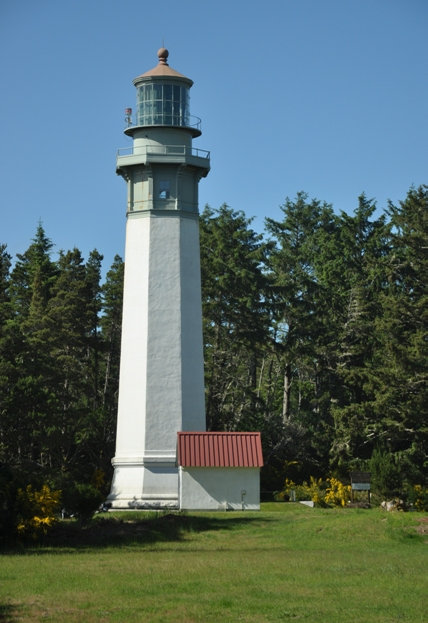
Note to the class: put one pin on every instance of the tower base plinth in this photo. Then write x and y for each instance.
(140, 484)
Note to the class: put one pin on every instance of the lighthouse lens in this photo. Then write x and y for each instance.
(163, 104)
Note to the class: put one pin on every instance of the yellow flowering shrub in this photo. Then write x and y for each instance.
(289, 488)
(37, 510)
(420, 496)
(329, 493)
(314, 490)
(337, 494)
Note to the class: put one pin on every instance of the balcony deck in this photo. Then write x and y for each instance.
(168, 154)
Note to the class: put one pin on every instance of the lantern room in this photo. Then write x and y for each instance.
(163, 98)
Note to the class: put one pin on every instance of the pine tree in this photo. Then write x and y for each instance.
(111, 328)
(401, 365)
(30, 287)
(235, 316)
(66, 320)
(7, 367)
(33, 269)
(93, 339)
(364, 244)
(301, 333)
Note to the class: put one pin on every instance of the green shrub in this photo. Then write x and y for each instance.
(83, 500)
(385, 475)
(8, 491)
(418, 498)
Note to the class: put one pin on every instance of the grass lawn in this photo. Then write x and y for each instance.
(286, 562)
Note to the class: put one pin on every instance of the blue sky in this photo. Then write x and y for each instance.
(325, 96)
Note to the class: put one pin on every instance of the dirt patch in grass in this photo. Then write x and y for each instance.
(422, 527)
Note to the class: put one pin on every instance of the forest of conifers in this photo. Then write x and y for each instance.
(314, 334)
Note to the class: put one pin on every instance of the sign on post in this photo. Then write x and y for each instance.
(360, 481)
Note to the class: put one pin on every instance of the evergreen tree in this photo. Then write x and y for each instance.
(301, 333)
(401, 365)
(93, 340)
(33, 269)
(111, 328)
(364, 244)
(27, 397)
(235, 316)
(5, 264)
(7, 366)
(69, 321)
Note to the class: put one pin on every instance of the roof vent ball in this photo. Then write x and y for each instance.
(163, 56)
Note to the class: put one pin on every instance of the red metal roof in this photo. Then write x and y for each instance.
(201, 449)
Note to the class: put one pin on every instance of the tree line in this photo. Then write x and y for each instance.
(314, 334)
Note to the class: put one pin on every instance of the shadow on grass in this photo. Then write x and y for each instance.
(8, 613)
(113, 531)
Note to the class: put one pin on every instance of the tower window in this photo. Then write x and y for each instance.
(164, 189)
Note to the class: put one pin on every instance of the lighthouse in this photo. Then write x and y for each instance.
(161, 386)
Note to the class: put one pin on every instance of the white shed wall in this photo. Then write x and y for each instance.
(219, 488)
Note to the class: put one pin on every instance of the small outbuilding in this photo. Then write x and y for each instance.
(219, 471)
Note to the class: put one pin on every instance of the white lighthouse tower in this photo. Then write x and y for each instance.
(161, 388)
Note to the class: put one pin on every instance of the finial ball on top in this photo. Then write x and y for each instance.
(163, 55)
